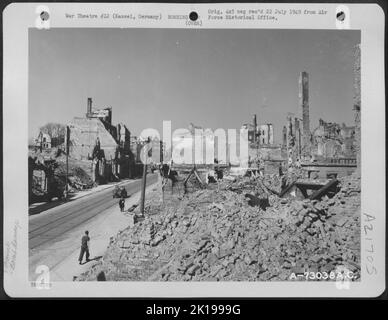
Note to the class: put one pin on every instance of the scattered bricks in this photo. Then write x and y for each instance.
(336, 210)
(316, 258)
(206, 236)
(319, 207)
(135, 241)
(262, 224)
(327, 267)
(297, 270)
(218, 206)
(248, 260)
(321, 229)
(174, 224)
(313, 215)
(260, 269)
(306, 203)
(229, 245)
(215, 270)
(352, 266)
(157, 240)
(186, 222)
(125, 244)
(211, 259)
(201, 245)
(193, 269)
(224, 253)
(230, 240)
(341, 222)
(183, 268)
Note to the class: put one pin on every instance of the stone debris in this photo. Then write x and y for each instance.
(216, 235)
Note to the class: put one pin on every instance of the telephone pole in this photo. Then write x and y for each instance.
(67, 161)
(144, 180)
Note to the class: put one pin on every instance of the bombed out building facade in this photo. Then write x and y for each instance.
(329, 144)
(95, 138)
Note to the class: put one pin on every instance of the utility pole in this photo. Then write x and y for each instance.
(144, 180)
(67, 161)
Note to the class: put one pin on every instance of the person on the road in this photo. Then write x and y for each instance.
(280, 170)
(122, 204)
(84, 247)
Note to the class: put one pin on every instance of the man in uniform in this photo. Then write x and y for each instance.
(84, 247)
(122, 204)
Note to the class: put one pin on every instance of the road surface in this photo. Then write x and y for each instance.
(47, 226)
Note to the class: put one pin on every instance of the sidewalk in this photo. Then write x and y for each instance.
(99, 188)
(62, 256)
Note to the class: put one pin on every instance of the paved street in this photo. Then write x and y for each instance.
(55, 235)
(47, 226)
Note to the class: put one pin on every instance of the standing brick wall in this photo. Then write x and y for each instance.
(304, 105)
(83, 135)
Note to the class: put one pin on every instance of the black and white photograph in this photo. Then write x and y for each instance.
(208, 210)
(216, 155)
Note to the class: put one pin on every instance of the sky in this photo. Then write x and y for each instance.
(214, 78)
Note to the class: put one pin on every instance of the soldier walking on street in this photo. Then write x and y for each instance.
(122, 204)
(280, 170)
(84, 247)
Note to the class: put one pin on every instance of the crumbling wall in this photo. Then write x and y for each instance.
(83, 137)
(332, 140)
(292, 140)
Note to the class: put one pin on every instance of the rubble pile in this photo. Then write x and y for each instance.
(79, 170)
(215, 235)
(79, 179)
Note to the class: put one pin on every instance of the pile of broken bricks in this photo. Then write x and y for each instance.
(215, 235)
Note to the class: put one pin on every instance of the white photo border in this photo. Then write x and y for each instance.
(19, 17)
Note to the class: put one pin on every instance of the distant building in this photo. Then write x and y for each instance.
(43, 141)
(293, 136)
(332, 140)
(262, 134)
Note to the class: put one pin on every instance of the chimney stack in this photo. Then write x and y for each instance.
(89, 107)
(304, 105)
(254, 127)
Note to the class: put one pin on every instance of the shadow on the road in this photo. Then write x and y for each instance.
(48, 205)
(93, 259)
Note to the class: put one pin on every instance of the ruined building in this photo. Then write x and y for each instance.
(43, 141)
(327, 141)
(296, 132)
(95, 138)
(332, 140)
(259, 134)
(292, 136)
